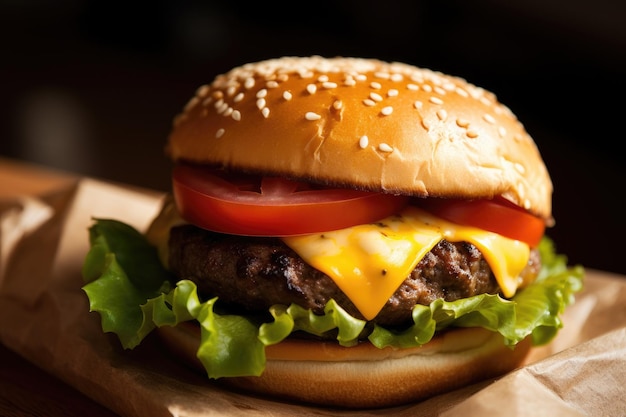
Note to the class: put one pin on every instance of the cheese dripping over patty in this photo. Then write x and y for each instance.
(369, 262)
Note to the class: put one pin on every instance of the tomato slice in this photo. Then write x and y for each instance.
(497, 215)
(267, 206)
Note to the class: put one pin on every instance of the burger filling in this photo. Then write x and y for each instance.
(254, 273)
(126, 283)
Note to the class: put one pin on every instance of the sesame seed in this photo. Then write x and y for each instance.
(425, 125)
(385, 147)
(392, 93)
(462, 122)
(417, 78)
(376, 96)
(228, 111)
(238, 97)
(412, 87)
(260, 103)
(489, 118)
(249, 83)
(418, 104)
(369, 102)
(222, 108)
(386, 111)
(261, 93)
(427, 88)
(203, 90)
(322, 78)
(191, 103)
(449, 86)
(349, 81)
(397, 77)
(219, 133)
(471, 133)
(375, 85)
(231, 90)
(364, 141)
(442, 114)
(435, 100)
(337, 104)
(502, 131)
(440, 90)
(265, 112)
(361, 77)
(236, 115)
(383, 75)
(328, 84)
(311, 88)
(272, 84)
(520, 168)
(287, 95)
(312, 116)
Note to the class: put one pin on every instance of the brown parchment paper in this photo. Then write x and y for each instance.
(44, 317)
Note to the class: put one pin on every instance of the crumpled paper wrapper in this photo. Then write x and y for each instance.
(44, 317)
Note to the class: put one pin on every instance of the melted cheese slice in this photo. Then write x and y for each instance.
(369, 262)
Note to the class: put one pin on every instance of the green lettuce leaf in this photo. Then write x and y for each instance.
(118, 283)
(127, 285)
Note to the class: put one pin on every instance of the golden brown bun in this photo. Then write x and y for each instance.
(365, 376)
(364, 123)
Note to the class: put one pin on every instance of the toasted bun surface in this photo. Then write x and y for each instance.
(363, 123)
(365, 376)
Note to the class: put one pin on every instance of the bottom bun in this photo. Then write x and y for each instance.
(365, 376)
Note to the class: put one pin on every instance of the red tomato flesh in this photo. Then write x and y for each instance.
(497, 215)
(255, 206)
(270, 206)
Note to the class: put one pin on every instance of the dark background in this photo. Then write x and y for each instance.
(92, 86)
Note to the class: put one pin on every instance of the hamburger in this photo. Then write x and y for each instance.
(341, 231)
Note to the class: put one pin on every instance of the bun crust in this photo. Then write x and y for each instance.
(365, 376)
(363, 123)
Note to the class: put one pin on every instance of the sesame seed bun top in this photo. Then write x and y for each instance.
(363, 123)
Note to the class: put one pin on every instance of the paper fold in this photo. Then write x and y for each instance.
(584, 380)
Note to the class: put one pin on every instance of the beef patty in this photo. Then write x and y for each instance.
(255, 273)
